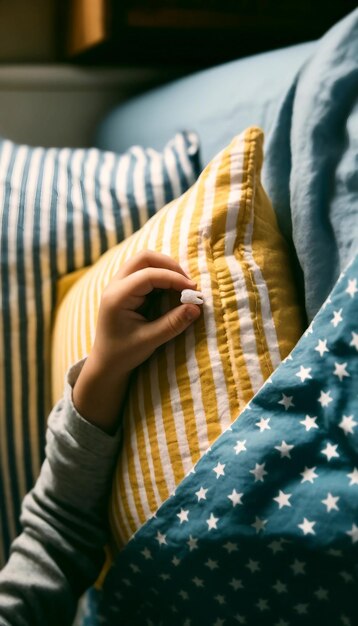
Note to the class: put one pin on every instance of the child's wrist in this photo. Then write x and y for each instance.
(98, 394)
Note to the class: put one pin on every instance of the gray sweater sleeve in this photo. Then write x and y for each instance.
(60, 551)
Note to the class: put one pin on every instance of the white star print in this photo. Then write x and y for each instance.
(198, 582)
(146, 553)
(354, 477)
(283, 499)
(276, 546)
(259, 524)
(219, 470)
(301, 608)
(352, 287)
(286, 401)
(175, 561)
(353, 533)
(354, 341)
(348, 578)
(328, 301)
(282, 622)
(307, 527)
(183, 594)
(284, 449)
(321, 347)
(304, 373)
(219, 622)
(235, 497)
(280, 587)
(211, 564)
(262, 605)
(347, 424)
(337, 318)
(334, 552)
(263, 424)
(259, 472)
(330, 451)
(165, 576)
(321, 594)
(341, 370)
(236, 584)
(309, 422)
(220, 599)
(341, 276)
(192, 543)
(331, 502)
(212, 521)
(201, 494)
(161, 539)
(309, 330)
(298, 567)
(309, 474)
(231, 547)
(253, 566)
(325, 398)
(134, 568)
(240, 618)
(183, 516)
(240, 446)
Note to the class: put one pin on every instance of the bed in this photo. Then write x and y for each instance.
(260, 524)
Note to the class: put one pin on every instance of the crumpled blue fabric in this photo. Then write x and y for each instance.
(311, 163)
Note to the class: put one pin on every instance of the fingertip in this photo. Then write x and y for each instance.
(192, 312)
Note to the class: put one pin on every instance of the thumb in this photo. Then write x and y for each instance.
(171, 324)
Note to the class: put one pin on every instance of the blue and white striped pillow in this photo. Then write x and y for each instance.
(60, 209)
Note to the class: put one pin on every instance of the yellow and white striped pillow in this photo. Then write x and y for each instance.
(224, 234)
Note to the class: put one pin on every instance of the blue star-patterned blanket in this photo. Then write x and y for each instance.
(264, 530)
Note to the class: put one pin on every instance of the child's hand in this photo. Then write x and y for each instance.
(125, 338)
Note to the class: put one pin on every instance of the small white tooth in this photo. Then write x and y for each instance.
(190, 296)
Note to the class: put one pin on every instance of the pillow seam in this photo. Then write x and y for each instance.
(249, 207)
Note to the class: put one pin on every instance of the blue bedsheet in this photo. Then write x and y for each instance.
(311, 167)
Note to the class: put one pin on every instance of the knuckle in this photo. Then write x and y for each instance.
(174, 324)
(106, 293)
(143, 257)
(108, 298)
(146, 273)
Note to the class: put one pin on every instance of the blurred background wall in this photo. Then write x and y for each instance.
(57, 82)
(44, 99)
(28, 31)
